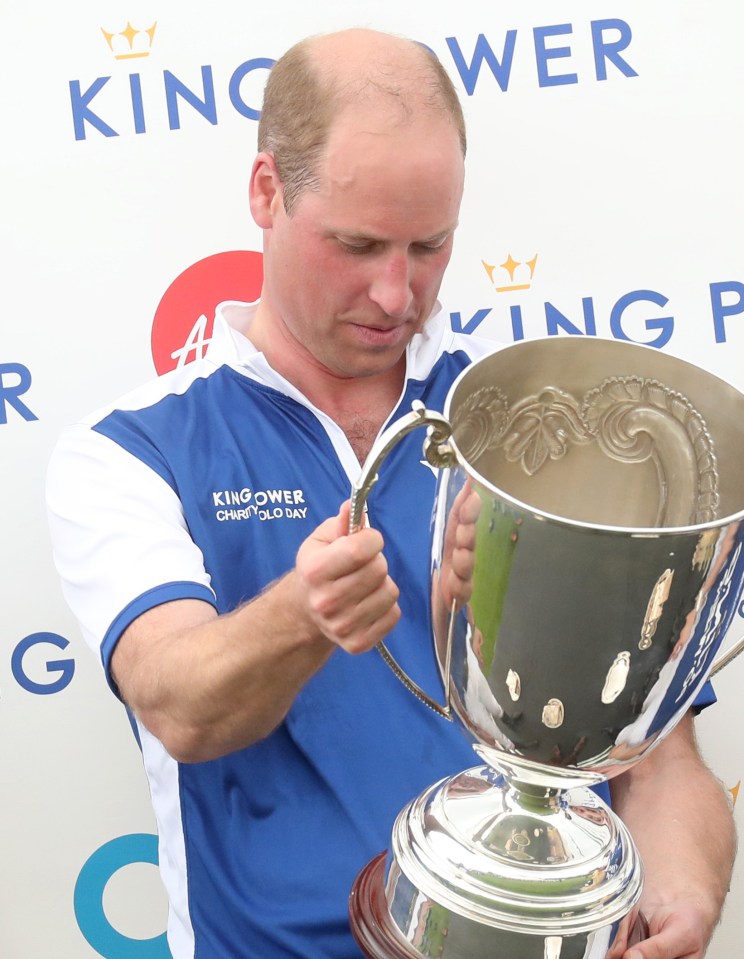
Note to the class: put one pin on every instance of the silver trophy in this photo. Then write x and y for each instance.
(586, 566)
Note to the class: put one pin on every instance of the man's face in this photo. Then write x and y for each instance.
(355, 270)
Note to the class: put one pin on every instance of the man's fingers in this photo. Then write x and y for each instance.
(362, 594)
(328, 554)
(676, 935)
(348, 593)
(369, 623)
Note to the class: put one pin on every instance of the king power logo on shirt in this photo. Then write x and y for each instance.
(261, 505)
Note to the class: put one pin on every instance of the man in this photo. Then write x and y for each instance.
(191, 531)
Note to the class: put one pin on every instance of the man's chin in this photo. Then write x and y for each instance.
(382, 363)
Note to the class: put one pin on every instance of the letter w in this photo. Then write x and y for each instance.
(501, 70)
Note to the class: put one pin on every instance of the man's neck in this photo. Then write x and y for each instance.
(358, 405)
(361, 408)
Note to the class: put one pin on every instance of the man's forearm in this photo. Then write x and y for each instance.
(207, 685)
(680, 817)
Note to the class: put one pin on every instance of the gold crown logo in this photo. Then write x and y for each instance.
(518, 279)
(130, 42)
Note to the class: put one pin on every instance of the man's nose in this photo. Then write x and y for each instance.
(391, 286)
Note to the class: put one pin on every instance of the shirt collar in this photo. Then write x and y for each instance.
(230, 343)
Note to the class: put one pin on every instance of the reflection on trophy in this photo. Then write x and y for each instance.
(586, 565)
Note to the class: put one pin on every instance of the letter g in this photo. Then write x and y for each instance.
(66, 667)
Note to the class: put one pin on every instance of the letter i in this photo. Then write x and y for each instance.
(138, 111)
(516, 320)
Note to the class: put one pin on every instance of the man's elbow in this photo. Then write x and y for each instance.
(194, 743)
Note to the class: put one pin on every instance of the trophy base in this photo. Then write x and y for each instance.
(478, 869)
(369, 916)
(376, 933)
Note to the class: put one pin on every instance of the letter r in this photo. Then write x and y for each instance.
(10, 393)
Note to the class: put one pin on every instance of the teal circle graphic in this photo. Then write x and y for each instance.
(89, 890)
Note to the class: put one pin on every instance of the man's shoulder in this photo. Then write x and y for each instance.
(474, 346)
(438, 341)
(176, 383)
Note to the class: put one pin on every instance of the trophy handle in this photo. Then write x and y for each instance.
(440, 454)
(725, 658)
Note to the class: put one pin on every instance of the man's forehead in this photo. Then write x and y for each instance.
(356, 149)
(383, 112)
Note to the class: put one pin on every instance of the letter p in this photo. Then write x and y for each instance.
(721, 310)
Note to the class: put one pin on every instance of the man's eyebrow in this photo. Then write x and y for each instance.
(442, 235)
(372, 238)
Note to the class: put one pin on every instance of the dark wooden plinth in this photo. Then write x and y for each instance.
(369, 916)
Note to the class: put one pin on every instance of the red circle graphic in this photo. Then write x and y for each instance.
(182, 326)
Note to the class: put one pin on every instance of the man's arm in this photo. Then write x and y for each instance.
(681, 820)
(207, 685)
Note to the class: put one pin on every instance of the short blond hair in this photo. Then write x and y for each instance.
(301, 101)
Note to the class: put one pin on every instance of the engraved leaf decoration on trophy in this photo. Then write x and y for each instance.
(542, 427)
(635, 419)
(479, 422)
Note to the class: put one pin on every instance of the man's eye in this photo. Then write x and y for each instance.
(357, 248)
(433, 247)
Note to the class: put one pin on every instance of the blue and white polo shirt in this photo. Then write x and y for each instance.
(203, 484)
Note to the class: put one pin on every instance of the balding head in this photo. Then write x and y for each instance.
(321, 77)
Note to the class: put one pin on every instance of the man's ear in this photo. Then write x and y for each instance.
(265, 190)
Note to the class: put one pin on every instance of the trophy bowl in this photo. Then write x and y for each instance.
(586, 566)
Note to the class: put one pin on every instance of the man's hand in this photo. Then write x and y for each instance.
(343, 577)
(458, 550)
(678, 930)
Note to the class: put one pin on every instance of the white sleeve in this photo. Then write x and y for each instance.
(120, 541)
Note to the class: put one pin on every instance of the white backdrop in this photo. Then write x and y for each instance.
(605, 141)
